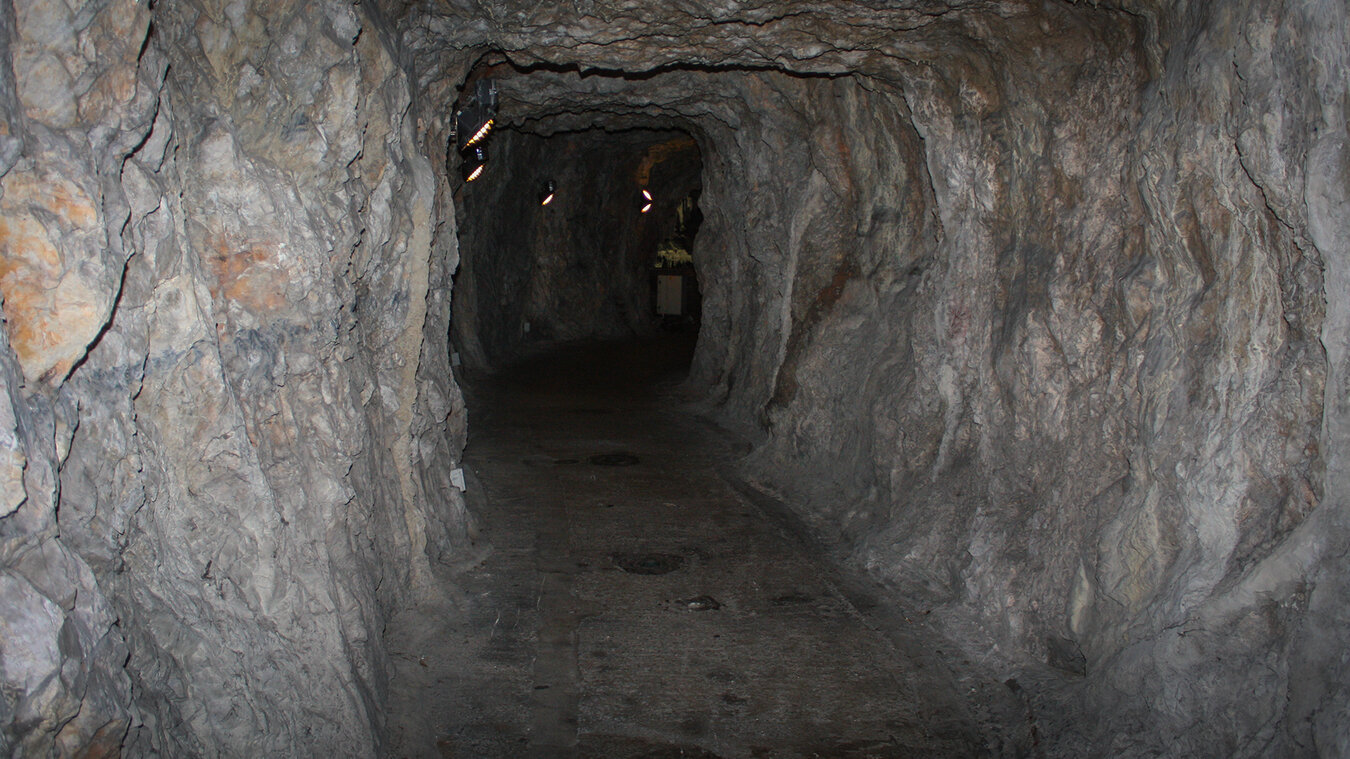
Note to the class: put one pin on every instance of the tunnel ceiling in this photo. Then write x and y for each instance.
(547, 102)
(617, 61)
(824, 37)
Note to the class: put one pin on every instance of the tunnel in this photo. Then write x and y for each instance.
(589, 262)
(1008, 334)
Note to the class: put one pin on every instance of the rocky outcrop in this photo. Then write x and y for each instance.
(225, 447)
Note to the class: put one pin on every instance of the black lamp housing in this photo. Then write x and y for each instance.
(475, 119)
(475, 160)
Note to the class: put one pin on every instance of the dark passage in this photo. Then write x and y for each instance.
(634, 604)
(589, 264)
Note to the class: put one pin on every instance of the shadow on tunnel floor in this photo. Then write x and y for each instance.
(618, 369)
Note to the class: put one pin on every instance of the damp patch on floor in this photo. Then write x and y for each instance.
(546, 461)
(700, 603)
(648, 563)
(614, 459)
(624, 747)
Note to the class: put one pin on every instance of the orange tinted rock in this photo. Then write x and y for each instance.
(53, 306)
(247, 273)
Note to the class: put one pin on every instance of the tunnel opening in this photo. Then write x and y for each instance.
(575, 237)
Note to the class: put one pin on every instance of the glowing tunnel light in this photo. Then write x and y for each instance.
(546, 193)
(475, 160)
(647, 201)
(481, 134)
(475, 120)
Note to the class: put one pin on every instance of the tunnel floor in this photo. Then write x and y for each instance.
(630, 599)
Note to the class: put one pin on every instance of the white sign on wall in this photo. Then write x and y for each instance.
(669, 294)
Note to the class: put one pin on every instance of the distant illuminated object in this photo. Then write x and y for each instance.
(647, 197)
(546, 193)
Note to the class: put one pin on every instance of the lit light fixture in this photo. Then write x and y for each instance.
(546, 193)
(474, 121)
(475, 160)
(481, 134)
(646, 201)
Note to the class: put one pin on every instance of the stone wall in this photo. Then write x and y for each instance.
(1083, 409)
(224, 447)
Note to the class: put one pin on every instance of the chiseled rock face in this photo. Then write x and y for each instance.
(78, 81)
(222, 444)
(1039, 309)
(76, 97)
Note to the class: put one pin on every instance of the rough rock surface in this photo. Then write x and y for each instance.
(223, 450)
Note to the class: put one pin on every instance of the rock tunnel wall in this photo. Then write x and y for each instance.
(223, 446)
(1047, 353)
(1084, 406)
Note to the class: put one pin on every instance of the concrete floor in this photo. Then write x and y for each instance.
(632, 600)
